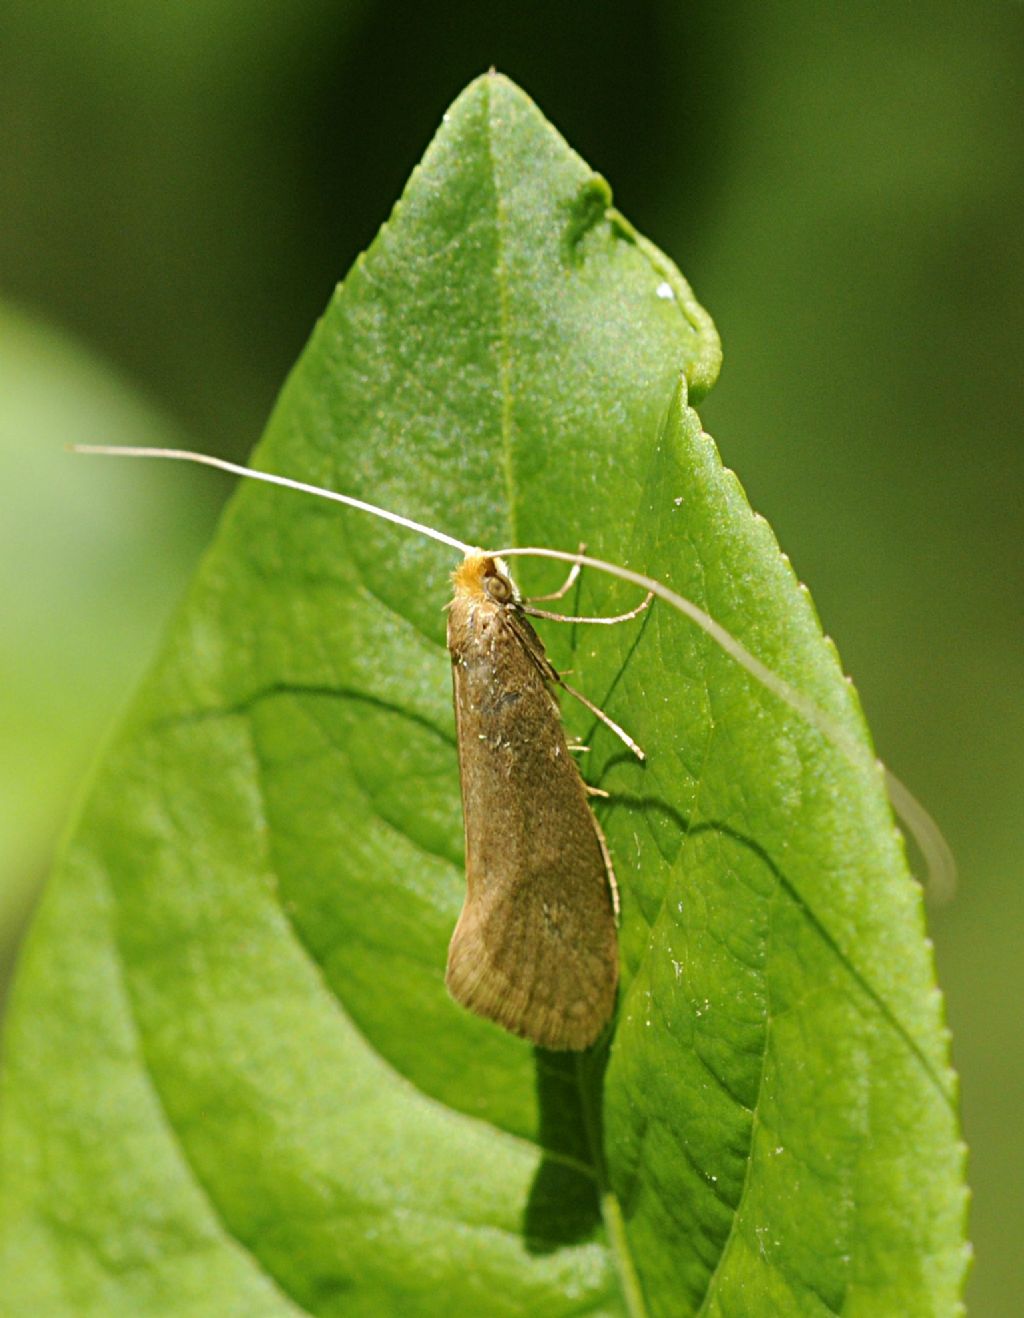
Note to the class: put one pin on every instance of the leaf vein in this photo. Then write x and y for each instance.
(754, 1122)
(190, 1165)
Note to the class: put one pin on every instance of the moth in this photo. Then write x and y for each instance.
(535, 947)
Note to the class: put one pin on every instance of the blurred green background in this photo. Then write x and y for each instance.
(844, 185)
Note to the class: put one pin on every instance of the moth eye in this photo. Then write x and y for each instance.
(499, 588)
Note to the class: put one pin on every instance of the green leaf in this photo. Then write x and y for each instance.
(234, 1082)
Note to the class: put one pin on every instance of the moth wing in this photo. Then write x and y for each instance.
(535, 948)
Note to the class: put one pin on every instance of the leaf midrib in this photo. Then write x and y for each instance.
(504, 333)
(611, 1213)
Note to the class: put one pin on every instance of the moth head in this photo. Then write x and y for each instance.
(484, 577)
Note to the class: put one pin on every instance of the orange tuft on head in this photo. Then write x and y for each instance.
(468, 577)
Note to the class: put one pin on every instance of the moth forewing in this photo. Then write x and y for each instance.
(535, 948)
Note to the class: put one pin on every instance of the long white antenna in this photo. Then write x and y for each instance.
(185, 455)
(934, 849)
(939, 861)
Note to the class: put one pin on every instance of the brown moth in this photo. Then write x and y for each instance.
(535, 948)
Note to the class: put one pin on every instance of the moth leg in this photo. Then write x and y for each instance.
(566, 585)
(564, 617)
(606, 719)
(596, 791)
(609, 868)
